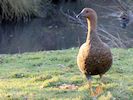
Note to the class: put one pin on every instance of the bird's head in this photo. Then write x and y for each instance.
(87, 13)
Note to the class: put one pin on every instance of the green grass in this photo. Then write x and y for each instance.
(37, 76)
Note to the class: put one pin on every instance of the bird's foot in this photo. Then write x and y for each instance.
(92, 93)
(102, 85)
(99, 90)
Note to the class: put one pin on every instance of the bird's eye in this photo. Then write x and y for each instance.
(123, 18)
(87, 11)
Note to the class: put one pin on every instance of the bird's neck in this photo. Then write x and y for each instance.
(92, 25)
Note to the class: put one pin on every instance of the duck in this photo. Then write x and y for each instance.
(94, 56)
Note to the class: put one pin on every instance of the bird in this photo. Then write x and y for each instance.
(94, 56)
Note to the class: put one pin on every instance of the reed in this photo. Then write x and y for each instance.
(18, 9)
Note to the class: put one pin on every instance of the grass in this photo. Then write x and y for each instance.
(37, 76)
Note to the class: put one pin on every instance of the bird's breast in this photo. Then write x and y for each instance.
(93, 58)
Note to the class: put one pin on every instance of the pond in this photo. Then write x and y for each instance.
(38, 35)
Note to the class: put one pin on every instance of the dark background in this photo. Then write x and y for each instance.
(45, 27)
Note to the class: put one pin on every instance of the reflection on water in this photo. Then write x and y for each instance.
(38, 35)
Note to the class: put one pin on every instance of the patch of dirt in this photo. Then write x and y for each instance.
(68, 86)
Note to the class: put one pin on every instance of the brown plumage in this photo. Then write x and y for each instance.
(94, 57)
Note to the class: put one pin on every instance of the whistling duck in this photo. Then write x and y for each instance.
(94, 57)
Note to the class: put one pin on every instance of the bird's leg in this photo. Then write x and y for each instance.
(90, 88)
(101, 80)
(99, 88)
(90, 85)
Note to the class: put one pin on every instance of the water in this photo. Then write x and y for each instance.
(39, 34)
(57, 32)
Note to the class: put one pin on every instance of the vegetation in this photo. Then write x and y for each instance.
(38, 76)
(12, 9)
